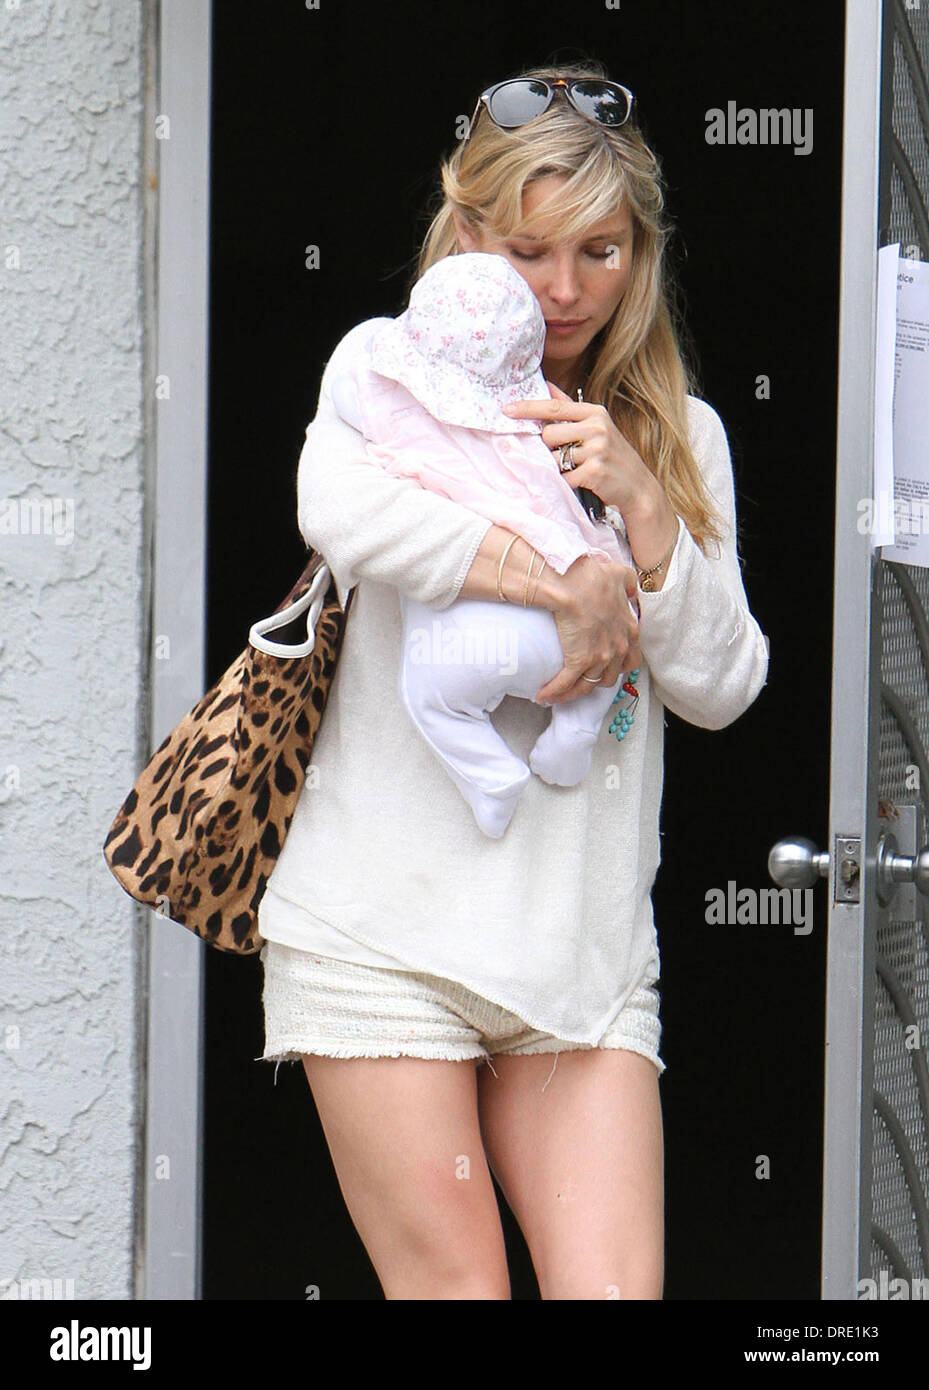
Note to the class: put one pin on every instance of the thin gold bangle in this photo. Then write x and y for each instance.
(537, 578)
(502, 596)
(532, 559)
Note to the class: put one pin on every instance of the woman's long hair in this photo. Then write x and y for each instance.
(634, 365)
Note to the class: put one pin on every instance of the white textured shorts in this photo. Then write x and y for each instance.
(336, 1008)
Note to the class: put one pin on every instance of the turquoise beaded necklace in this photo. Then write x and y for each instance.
(622, 720)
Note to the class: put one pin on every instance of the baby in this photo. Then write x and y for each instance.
(427, 397)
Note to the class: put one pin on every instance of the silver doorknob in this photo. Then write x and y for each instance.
(894, 868)
(797, 863)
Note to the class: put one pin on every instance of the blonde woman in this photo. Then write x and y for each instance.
(404, 948)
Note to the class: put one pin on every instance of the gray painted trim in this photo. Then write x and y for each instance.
(855, 696)
(171, 1257)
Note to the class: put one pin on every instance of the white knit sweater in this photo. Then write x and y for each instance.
(383, 862)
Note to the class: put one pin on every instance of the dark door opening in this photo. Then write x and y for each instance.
(327, 129)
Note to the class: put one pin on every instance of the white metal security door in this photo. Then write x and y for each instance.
(876, 1153)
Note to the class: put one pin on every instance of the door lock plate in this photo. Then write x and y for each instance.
(846, 886)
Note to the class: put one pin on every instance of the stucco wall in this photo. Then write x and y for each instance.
(72, 640)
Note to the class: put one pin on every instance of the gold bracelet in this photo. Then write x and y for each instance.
(532, 559)
(645, 575)
(537, 578)
(502, 596)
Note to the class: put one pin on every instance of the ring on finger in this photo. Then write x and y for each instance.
(594, 680)
(567, 464)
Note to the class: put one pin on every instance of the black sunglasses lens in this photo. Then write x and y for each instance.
(516, 103)
(602, 102)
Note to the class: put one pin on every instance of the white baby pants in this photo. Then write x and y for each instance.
(458, 664)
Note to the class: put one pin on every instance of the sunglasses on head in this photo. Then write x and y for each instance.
(518, 100)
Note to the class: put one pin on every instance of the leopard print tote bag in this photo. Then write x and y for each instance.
(198, 835)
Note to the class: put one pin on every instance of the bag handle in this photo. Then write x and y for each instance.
(310, 603)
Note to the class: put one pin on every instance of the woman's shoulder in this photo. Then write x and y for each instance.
(703, 419)
(709, 441)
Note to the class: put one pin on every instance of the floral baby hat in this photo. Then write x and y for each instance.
(470, 341)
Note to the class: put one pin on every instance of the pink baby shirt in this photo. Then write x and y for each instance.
(512, 479)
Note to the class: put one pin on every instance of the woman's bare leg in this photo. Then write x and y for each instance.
(582, 1167)
(405, 1141)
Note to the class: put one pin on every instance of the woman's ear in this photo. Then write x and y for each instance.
(468, 235)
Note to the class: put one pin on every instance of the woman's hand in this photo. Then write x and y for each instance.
(604, 460)
(606, 463)
(598, 633)
(589, 602)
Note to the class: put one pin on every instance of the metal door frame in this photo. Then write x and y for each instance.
(855, 691)
(177, 157)
(855, 696)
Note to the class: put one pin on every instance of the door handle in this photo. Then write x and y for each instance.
(795, 862)
(894, 868)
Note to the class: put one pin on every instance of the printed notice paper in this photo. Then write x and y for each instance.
(911, 417)
(882, 513)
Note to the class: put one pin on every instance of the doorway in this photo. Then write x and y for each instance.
(327, 127)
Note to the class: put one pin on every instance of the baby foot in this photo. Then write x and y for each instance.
(493, 811)
(560, 763)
